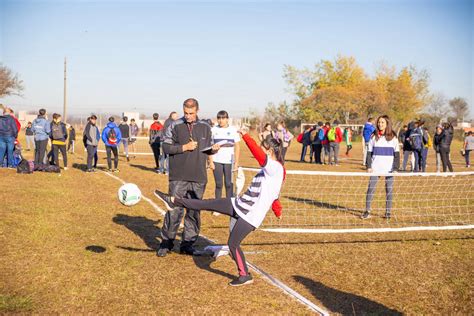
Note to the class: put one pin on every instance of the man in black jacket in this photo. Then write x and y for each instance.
(184, 142)
(125, 130)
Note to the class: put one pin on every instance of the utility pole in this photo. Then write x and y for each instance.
(64, 101)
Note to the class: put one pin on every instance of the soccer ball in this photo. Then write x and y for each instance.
(129, 194)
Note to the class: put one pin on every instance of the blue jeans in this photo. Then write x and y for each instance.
(7, 145)
(303, 152)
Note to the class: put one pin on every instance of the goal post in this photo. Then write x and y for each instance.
(333, 202)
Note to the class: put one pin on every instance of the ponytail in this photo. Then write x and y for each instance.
(275, 145)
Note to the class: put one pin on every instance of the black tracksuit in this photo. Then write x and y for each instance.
(187, 177)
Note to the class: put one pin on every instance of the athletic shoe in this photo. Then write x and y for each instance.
(166, 199)
(65, 168)
(242, 280)
(366, 215)
(187, 250)
(90, 170)
(387, 216)
(128, 159)
(109, 170)
(162, 252)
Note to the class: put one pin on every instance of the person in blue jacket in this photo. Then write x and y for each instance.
(368, 130)
(111, 136)
(41, 129)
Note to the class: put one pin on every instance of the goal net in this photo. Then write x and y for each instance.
(139, 147)
(315, 201)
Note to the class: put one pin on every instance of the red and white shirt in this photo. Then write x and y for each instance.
(264, 189)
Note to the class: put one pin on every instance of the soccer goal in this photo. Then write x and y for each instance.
(141, 146)
(333, 202)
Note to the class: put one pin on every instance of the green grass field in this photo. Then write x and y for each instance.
(69, 246)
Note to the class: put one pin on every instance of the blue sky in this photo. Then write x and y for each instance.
(151, 55)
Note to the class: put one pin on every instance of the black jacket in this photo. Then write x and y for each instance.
(437, 141)
(72, 134)
(189, 165)
(8, 126)
(446, 138)
(125, 130)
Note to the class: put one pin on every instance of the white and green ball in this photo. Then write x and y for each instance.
(129, 194)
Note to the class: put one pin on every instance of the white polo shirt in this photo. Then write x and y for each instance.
(229, 134)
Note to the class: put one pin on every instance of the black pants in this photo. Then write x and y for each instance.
(110, 150)
(156, 152)
(91, 154)
(444, 152)
(283, 153)
(239, 232)
(317, 153)
(192, 219)
(40, 151)
(56, 149)
(223, 171)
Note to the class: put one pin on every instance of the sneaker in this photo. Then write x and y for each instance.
(166, 199)
(242, 280)
(187, 250)
(162, 252)
(109, 170)
(116, 170)
(366, 215)
(387, 216)
(128, 159)
(157, 171)
(90, 170)
(65, 168)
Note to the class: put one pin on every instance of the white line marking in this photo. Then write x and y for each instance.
(266, 276)
(364, 230)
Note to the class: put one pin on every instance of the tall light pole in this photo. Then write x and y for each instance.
(64, 101)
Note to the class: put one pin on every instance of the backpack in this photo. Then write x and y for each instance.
(25, 167)
(321, 134)
(312, 136)
(57, 131)
(332, 134)
(416, 140)
(299, 139)
(112, 137)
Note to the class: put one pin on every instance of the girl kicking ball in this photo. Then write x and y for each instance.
(249, 209)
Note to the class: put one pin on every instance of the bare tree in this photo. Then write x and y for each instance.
(438, 107)
(10, 84)
(459, 107)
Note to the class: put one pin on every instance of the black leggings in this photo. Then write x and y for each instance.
(444, 152)
(223, 170)
(110, 150)
(56, 149)
(156, 152)
(239, 232)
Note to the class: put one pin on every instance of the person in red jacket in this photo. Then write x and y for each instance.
(156, 133)
(250, 209)
(335, 138)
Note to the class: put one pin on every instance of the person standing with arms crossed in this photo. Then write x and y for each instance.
(184, 141)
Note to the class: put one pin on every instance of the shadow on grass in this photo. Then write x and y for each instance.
(83, 167)
(343, 302)
(142, 227)
(144, 168)
(151, 235)
(326, 205)
(353, 241)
